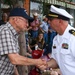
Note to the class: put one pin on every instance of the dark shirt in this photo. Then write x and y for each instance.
(34, 41)
(2, 22)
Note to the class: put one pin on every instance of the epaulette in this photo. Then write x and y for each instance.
(72, 31)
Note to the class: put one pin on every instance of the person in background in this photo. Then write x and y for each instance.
(36, 44)
(44, 28)
(51, 35)
(9, 48)
(4, 19)
(35, 25)
(39, 42)
(63, 49)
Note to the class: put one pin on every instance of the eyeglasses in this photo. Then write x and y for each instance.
(23, 20)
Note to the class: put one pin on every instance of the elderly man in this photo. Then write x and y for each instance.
(9, 48)
(63, 49)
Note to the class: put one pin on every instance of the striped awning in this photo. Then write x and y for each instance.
(58, 2)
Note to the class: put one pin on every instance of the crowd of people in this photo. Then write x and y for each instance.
(51, 38)
(35, 28)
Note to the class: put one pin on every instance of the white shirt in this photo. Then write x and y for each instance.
(63, 51)
(44, 26)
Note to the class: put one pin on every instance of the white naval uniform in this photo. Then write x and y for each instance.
(65, 56)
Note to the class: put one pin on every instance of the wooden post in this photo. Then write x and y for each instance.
(23, 70)
(27, 5)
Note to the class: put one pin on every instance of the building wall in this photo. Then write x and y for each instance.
(27, 5)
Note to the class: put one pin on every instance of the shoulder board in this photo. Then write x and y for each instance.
(72, 31)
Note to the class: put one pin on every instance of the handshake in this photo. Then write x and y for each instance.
(41, 64)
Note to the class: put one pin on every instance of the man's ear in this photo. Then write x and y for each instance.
(16, 20)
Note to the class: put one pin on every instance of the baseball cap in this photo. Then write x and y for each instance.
(20, 12)
(59, 13)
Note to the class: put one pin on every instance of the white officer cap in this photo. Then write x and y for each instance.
(59, 13)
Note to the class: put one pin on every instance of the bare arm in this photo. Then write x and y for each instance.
(21, 60)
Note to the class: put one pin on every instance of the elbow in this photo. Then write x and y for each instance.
(14, 58)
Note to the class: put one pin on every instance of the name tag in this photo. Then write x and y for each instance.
(54, 47)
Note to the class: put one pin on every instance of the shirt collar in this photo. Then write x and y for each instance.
(65, 34)
(12, 29)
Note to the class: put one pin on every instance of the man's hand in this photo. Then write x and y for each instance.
(41, 62)
(42, 66)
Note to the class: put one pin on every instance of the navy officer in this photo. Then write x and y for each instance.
(63, 49)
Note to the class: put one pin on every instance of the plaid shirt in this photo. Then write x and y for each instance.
(8, 44)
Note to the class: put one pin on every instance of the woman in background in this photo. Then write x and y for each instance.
(39, 42)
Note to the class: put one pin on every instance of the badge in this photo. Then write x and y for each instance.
(65, 45)
(54, 47)
(72, 32)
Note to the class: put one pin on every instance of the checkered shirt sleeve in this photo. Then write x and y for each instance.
(8, 44)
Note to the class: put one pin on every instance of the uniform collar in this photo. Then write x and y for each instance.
(65, 35)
